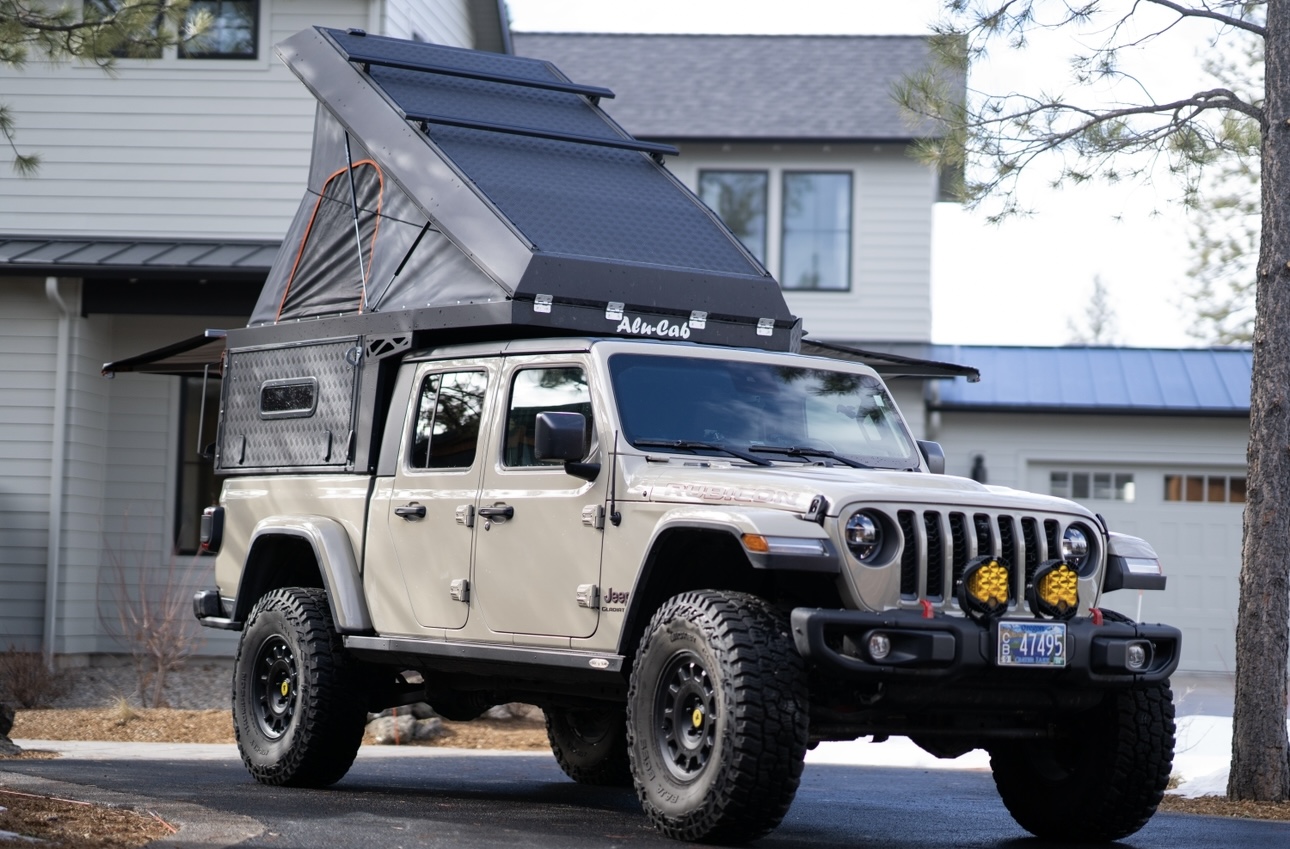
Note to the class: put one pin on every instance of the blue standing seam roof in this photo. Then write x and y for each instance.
(1213, 381)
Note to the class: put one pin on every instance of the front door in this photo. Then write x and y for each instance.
(536, 540)
(430, 508)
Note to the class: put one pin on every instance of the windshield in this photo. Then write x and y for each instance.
(778, 412)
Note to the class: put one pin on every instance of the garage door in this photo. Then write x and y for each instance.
(1192, 517)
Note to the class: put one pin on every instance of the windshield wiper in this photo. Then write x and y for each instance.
(692, 445)
(804, 451)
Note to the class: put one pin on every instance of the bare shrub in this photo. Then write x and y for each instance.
(148, 609)
(25, 679)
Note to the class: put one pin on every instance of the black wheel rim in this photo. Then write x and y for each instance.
(590, 726)
(274, 687)
(685, 716)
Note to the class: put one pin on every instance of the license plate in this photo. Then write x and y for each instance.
(1032, 644)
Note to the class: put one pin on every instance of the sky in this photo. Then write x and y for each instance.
(1020, 283)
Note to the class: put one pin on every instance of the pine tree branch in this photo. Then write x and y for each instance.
(1208, 14)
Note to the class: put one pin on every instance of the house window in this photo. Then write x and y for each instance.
(739, 198)
(1216, 489)
(198, 484)
(816, 243)
(124, 48)
(233, 32)
(1095, 486)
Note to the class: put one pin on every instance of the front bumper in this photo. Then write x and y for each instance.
(949, 648)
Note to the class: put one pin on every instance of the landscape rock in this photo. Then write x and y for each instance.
(514, 711)
(404, 728)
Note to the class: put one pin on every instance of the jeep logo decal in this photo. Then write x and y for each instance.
(612, 600)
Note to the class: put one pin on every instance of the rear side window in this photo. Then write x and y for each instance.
(294, 398)
(446, 432)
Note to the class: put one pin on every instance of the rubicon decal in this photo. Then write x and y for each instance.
(739, 494)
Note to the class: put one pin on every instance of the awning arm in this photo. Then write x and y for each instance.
(190, 357)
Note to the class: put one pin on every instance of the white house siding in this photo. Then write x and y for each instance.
(171, 147)
(892, 197)
(1199, 543)
(444, 22)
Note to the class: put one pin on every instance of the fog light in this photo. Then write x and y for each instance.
(879, 646)
(983, 590)
(1054, 591)
(1137, 656)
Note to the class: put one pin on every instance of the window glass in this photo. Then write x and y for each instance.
(1083, 486)
(817, 231)
(562, 389)
(123, 47)
(739, 198)
(293, 398)
(232, 33)
(751, 406)
(446, 433)
(1215, 489)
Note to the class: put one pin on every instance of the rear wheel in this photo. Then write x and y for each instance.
(298, 710)
(1101, 778)
(591, 745)
(717, 717)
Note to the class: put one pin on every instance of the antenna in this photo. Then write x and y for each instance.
(615, 517)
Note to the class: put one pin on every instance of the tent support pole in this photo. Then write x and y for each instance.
(353, 205)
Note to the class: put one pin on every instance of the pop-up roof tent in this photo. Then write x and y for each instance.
(452, 188)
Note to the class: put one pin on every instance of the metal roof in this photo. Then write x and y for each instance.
(89, 256)
(1150, 381)
(747, 87)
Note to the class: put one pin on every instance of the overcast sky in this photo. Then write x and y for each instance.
(1015, 284)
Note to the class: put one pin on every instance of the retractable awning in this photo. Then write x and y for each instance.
(890, 365)
(192, 357)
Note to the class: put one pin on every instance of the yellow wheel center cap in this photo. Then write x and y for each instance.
(697, 717)
(286, 688)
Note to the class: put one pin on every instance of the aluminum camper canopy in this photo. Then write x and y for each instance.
(453, 189)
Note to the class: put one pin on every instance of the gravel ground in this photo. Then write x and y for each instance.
(204, 684)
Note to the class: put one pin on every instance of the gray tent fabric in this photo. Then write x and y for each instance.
(317, 271)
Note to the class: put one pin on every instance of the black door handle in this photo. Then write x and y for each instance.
(500, 514)
(411, 511)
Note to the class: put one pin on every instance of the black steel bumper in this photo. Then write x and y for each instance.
(214, 611)
(949, 648)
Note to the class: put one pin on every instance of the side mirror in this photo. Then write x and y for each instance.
(933, 455)
(563, 436)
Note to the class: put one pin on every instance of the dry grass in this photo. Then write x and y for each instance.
(64, 824)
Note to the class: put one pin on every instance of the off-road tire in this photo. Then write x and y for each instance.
(591, 745)
(298, 710)
(717, 718)
(1102, 779)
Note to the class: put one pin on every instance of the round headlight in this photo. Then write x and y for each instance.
(1075, 547)
(864, 536)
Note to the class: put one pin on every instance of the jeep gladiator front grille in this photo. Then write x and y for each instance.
(936, 547)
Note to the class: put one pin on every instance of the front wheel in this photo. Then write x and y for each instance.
(717, 717)
(298, 711)
(1103, 775)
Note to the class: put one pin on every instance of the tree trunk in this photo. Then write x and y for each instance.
(1260, 750)
(7, 746)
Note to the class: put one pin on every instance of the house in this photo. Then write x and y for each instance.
(164, 192)
(796, 142)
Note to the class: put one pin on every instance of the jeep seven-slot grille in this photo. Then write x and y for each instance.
(938, 546)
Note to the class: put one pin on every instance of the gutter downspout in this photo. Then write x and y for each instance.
(58, 466)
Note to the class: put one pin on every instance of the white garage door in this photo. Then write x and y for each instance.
(1193, 519)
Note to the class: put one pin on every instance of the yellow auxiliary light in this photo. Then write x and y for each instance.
(984, 589)
(1054, 592)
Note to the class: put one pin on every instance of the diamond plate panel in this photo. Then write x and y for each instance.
(250, 440)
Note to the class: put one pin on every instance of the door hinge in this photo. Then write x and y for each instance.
(466, 515)
(459, 590)
(593, 516)
(588, 596)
